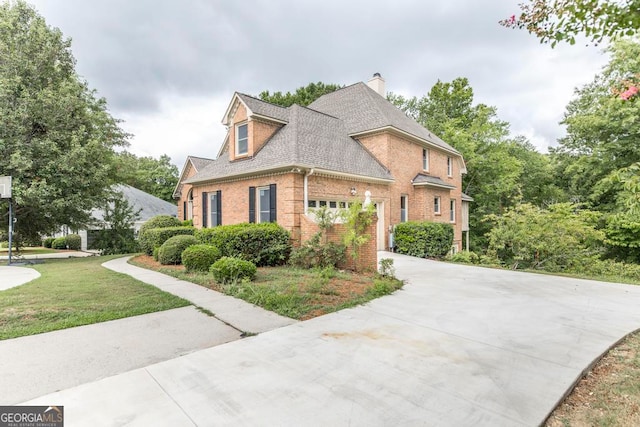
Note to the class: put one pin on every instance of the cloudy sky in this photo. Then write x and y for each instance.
(169, 68)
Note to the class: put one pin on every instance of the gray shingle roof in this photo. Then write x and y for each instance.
(262, 108)
(148, 204)
(199, 162)
(310, 139)
(363, 109)
(422, 179)
(466, 198)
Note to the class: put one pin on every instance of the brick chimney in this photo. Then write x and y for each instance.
(377, 83)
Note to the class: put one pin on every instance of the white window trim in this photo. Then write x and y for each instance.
(406, 207)
(425, 159)
(452, 211)
(258, 205)
(449, 166)
(439, 210)
(213, 209)
(237, 140)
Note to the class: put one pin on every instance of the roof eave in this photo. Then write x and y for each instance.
(418, 139)
(431, 184)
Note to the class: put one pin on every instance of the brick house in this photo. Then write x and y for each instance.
(276, 163)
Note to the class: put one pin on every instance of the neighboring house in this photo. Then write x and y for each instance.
(276, 163)
(147, 204)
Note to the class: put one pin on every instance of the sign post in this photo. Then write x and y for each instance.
(5, 193)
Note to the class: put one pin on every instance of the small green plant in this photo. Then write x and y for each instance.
(171, 251)
(386, 267)
(47, 242)
(315, 254)
(325, 218)
(200, 257)
(465, 257)
(59, 243)
(231, 270)
(357, 219)
(187, 223)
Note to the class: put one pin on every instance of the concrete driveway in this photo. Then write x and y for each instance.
(458, 346)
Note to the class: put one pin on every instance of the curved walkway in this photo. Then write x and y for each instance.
(12, 276)
(458, 346)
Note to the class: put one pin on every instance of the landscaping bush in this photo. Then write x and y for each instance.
(465, 257)
(424, 239)
(315, 254)
(158, 221)
(229, 269)
(74, 242)
(48, 242)
(59, 243)
(262, 244)
(200, 257)
(171, 251)
(155, 237)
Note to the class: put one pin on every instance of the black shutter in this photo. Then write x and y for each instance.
(272, 203)
(252, 204)
(219, 206)
(184, 211)
(204, 209)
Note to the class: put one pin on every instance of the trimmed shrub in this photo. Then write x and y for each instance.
(48, 242)
(155, 253)
(160, 221)
(465, 257)
(229, 270)
(171, 251)
(262, 244)
(59, 243)
(74, 242)
(155, 237)
(424, 239)
(200, 257)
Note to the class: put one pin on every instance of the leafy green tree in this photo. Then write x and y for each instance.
(561, 237)
(603, 135)
(117, 235)
(154, 176)
(56, 138)
(562, 20)
(304, 95)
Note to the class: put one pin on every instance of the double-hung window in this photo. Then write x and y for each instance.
(449, 166)
(425, 159)
(436, 205)
(262, 204)
(242, 139)
(452, 211)
(404, 213)
(215, 203)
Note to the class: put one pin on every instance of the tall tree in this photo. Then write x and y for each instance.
(154, 176)
(56, 138)
(304, 95)
(562, 20)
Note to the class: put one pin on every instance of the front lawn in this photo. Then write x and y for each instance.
(292, 292)
(74, 292)
(29, 251)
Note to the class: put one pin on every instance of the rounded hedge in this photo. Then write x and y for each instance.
(228, 269)
(160, 221)
(171, 251)
(200, 257)
(154, 237)
(48, 242)
(59, 243)
(74, 242)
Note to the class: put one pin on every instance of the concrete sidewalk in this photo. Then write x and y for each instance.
(12, 276)
(240, 314)
(458, 346)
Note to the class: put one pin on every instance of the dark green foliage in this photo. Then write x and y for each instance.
(59, 243)
(118, 235)
(187, 223)
(264, 244)
(313, 253)
(160, 221)
(424, 239)
(154, 176)
(57, 138)
(200, 257)
(74, 242)
(48, 241)
(155, 237)
(170, 252)
(229, 270)
(623, 237)
(304, 95)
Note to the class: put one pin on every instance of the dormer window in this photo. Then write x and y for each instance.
(242, 139)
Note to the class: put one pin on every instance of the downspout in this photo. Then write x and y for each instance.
(306, 190)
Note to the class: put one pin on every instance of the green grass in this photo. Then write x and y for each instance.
(295, 293)
(29, 251)
(74, 292)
